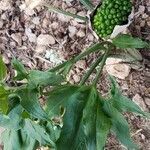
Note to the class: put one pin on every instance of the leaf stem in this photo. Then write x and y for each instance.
(87, 4)
(101, 67)
(94, 48)
(56, 10)
(89, 72)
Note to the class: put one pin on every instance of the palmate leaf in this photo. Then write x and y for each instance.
(59, 98)
(119, 125)
(18, 140)
(85, 125)
(127, 41)
(13, 120)
(38, 133)
(122, 103)
(41, 78)
(29, 101)
(73, 99)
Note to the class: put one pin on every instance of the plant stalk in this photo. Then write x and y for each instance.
(89, 72)
(56, 10)
(101, 67)
(94, 48)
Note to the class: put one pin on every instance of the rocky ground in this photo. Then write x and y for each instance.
(42, 39)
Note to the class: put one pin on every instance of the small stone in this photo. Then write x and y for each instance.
(5, 5)
(31, 36)
(76, 78)
(81, 64)
(45, 39)
(139, 101)
(72, 31)
(40, 49)
(144, 16)
(45, 23)
(32, 3)
(148, 23)
(36, 20)
(54, 56)
(6, 59)
(147, 101)
(63, 18)
(29, 12)
(142, 23)
(116, 68)
(54, 25)
(4, 17)
(13, 44)
(90, 37)
(143, 136)
(81, 33)
(17, 37)
(1, 24)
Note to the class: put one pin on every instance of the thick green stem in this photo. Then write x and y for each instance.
(94, 48)
(89, 72)
(101, 67)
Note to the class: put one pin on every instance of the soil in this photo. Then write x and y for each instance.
(23, 32)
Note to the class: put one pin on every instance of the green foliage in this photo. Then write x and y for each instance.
(3, 70)
(3, 99)
(127, 41)
(21, 71)
(18, 140)
(40, 78)
(74, 117)
(29, 101)
(87, 4)
(110, 14)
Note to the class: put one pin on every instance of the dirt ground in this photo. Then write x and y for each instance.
(42, 39)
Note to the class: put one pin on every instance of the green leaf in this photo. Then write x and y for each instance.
(134, 54)
(3, 70)
(13, 120)
(127, 41)
(18, 140)
(72, 135)
(58, 98)
(73, 99)
(122, 103)
(38, 133)
(29, 101)
(3, 100)
(87, 4)
(119, 125)
(89, 119)
(103, 125)
(41, 78)
(53, 131)
(21, 71)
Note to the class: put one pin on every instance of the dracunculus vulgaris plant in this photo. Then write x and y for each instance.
(73, 116)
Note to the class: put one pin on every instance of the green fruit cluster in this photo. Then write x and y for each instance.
(110, 14)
